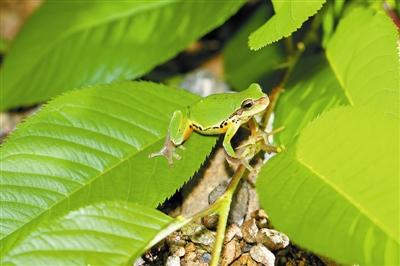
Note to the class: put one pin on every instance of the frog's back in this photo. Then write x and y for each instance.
(213, 109)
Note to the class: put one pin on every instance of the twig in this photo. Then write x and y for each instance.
(224, 203)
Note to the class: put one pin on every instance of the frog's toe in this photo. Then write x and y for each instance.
(168, 153)
(182, 147)
(176, 156)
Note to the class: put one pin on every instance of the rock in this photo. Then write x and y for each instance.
(239, 204)
(261, 218)
(262, 255)
(254, 203)
(232, 231)
(259, 214)
(230, 252)
(173, 261)
(272, 239)
(262, 223)
(200, 235)
(139, 262)
(245, 259)
(193, 193)
(206, 257)
(178, 251)
(190, 257)
(190, 247)
(203, 82)
(217, 192)
(249, 230)
(205, 238)
(210, 221)
(246, 247)
(175, 239)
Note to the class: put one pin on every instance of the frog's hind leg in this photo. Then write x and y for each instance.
(179, 130)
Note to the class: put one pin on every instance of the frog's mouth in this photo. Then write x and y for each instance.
(263, 101)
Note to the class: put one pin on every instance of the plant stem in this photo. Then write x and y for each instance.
(224, 204)
(293, 59)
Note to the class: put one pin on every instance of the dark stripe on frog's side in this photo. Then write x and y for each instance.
(223, 125)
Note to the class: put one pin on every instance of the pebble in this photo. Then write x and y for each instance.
(210, 221)
(246, 247)
(230, 252)
(249, 230)
(259, 214)
(272, 239)
(178, 251)
(190, 247)
(262, 255)
(262, 223)
(232, 231)
(245, 259)
(199, 234)
(217, 192)
(173, 261)
(206, 257)
(175, 239)
(190, 256)
(239, 204)
(261, 218)
(139, 262)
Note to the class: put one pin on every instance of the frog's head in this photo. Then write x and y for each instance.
(251, 101)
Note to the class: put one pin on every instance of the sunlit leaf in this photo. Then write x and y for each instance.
(336, 191)
(93, 145)
(243, 66)
(108, 233)
(68, 44)
(361, 68)
(290, 15)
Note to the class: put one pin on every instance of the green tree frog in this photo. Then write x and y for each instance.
(214, 114)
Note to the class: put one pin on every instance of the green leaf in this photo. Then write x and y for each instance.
(289, 17)
(312, 89)
(331, 12)
(93, 145)
(243, 66)
(336, 191)
(107, 233)
(363, 55)
(67, 44)
(361, 68)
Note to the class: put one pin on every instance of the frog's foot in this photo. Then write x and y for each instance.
(168, 151)
(235, 161)
(272, 148)
(246, 144)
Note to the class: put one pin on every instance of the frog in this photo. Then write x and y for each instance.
(221, 113)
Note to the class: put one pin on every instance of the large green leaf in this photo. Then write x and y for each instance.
(361, 68)
(290, 15)
(67, 44)
(243, 66)
(109, 233)
(93, 145)
(363, 55)
(311, 90)
(336, 191)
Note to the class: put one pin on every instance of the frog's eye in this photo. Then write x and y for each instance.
(246, 104)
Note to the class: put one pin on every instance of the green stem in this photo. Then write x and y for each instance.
(224, 205)
(293, 59)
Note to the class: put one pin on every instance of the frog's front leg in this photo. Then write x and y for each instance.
(178, 131)
(230, 132)
(232, 157)
(259, 135)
